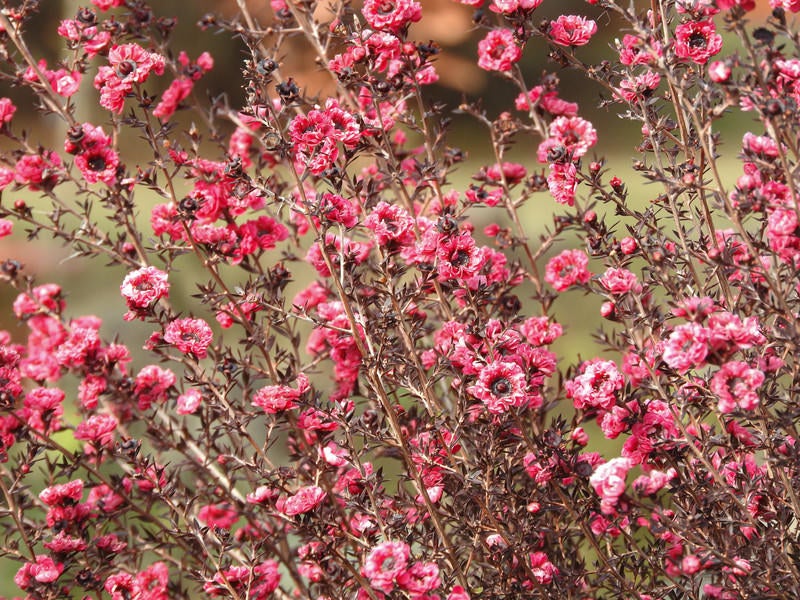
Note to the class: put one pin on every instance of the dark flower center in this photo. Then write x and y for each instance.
(385, 8)
(126, 67)
(460, 258)
(566, 270)
(96, 163)
(599, 380)
(497, 51)
(697, 40)
(501, 387)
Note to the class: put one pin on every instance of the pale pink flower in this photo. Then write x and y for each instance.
(562, 182)
(304, 500)
(572, 30)
(687, 347)
(567, 269)
(541, 567)
(596, 385)
(608, 480)
(189, 401)
(736, 386)
(385, 563)
(7, 110)
(392, 15)
(620, 281)
(498, 51)
(189, 336)
(142, 288)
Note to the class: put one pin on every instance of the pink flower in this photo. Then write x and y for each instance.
(151, 584)
(547, 101)
(189, 336)
(38, 171)
(391, 15)
(43, 570)
(719, 71)
(636, 51)
(620, 281)
(45, 297)
(105, 500)
(697, 41)
(304, 500)
(572, 30)
(498, 51)
(43, 409)
(99, 164)
(338, 248)
(501, 386)
(141, 288)
(482, 195)
(570, 136)
(133, 64)
(65, 83)
(790, 5)
(7, 110)
(176, 93)
(128, 64)
(189, 401)
(83, 35)
(278, 398)
(261, 233)
(510, 172)
(596, 385)
(63, 494)
(391, 225)
(6, 227)
(458, 258)
(221, 516)
(687, 347)
(257, 583)
(655, 480)
(63, 543)
(315, 136)
(567, 269)
(421, 578)
(384, 564)
(336, 209)
(262, 494)
(151, 385)
(107, 4)
(608, 480)
(543, 570)
(736, 386)
(97, 429)
(119, 585)
(614, 422)
(638, 88)
(508, 7)
(458, 593)
(562, 182)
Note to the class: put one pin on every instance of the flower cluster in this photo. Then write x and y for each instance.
(378, 386)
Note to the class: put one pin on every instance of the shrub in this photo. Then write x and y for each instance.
(401, 426)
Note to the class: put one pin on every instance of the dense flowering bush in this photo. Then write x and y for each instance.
(364, 399)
